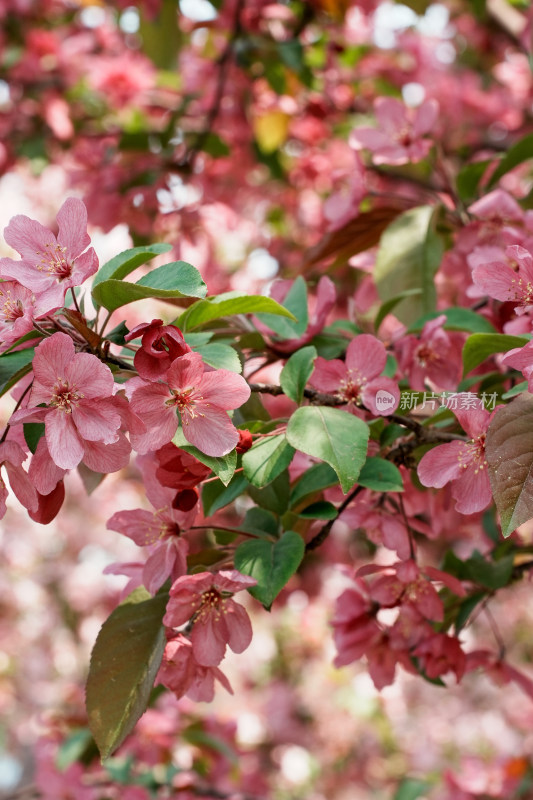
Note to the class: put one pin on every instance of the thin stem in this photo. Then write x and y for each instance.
(75, 300)
(325, 530)
(496, 633)
(104, 323)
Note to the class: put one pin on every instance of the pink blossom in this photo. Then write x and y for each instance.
(17, 311)
(521, 358)
(511, 281)
(434, 357)
(379, 526)
(398, 137)
(463, 464)
(201, 398)
(440, 654)
(12, 457)
(161, 531)
(51, 265)
(217, 620)
(80, 414)
(160, 345)
(183, 675)
(355, 381)
(354, 624)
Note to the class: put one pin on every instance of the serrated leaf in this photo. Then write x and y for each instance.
(457, 319)
(479, 346)
(509, 452)
(124, 263)
(408, 257)
(124, 663)
(226, 305)
(296, 373)
(223, 467)
(334, 436)
(380, 475)
(171, 281)
(272, 564)
(515, 155)
(267, 459)
(220, 356)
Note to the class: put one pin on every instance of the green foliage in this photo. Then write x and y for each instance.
(124, 263)
(380, 475)
(223, 467)
(457, 319)
(334, 436)
(169, 282)
(272, 564)
(228, 304)
(124, 663)
(13, 367)
(267, 459)
(480, 346)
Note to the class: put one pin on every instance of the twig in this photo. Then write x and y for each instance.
(325, 530)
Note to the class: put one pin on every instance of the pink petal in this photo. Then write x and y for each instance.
(52, 358)
(441, 465)
(368, 138)
(72, 222)
(149, 403)
(367, 355)
(211, 431)
(472, 492)
(22, 487)
(328, 375)
(29, 238)
(186, 371)
(231, 580)
(239, 626)
(64, 443)
(224, 389)
(97, 420)
(106, 458)
(209, 638)
(169, 558)
(391, 115)
(143, 527)
(381, 396)
(474, 420)
(44, 472)
(90, 376)
(425, 117)
(498, 280)
(49, 505)
(84, 266)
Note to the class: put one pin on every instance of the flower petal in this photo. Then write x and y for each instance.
(64, 443)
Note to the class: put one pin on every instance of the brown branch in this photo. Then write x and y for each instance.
(325, 530)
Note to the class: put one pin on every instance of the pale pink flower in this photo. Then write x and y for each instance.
(183, 675)
(161, 531)
(521, 358)
(435, 357)
(206, 599)
(201, 398)
(12, 457)
(509, 282)
(80, 414)
(17, 311)
(440, 654)
(463, 464)
(160, 345)
(50, 265)
(355, 380)
(354, 624)
(398, 137)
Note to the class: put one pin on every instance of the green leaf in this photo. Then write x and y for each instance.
(223, 467)
(315, 479)
(411, 789)
(261, 523)
(73, 748)
(296, 373)
(466, 608)
(517, 154)
(469, 178)
(212, 143)
(408, 257)
(509, 452)
(457, 319)
(319, 510)
(491, 574)
(334, 436)
(215, 495)
(33, 431)
(380, 475)
(296, 303)
(272, 564)
(171, 281)
(220, 356)
(275, 496)
(226, 305)
(391, 304)
(124, 663)
(480, 346)
(13, 367)
(126, 262)
(518, 389)
(267, 459)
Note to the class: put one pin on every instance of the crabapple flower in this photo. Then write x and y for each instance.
(11, 458)
(511, 282)
(17, 311)
(398, 137)
(181, 673)
(463, 464)
(521, 358)
(434, 357)
(50, 265)
(201, 398)
(160, 345)
(80, 413)
(162, 530)
(206, 599)
(355, 380)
